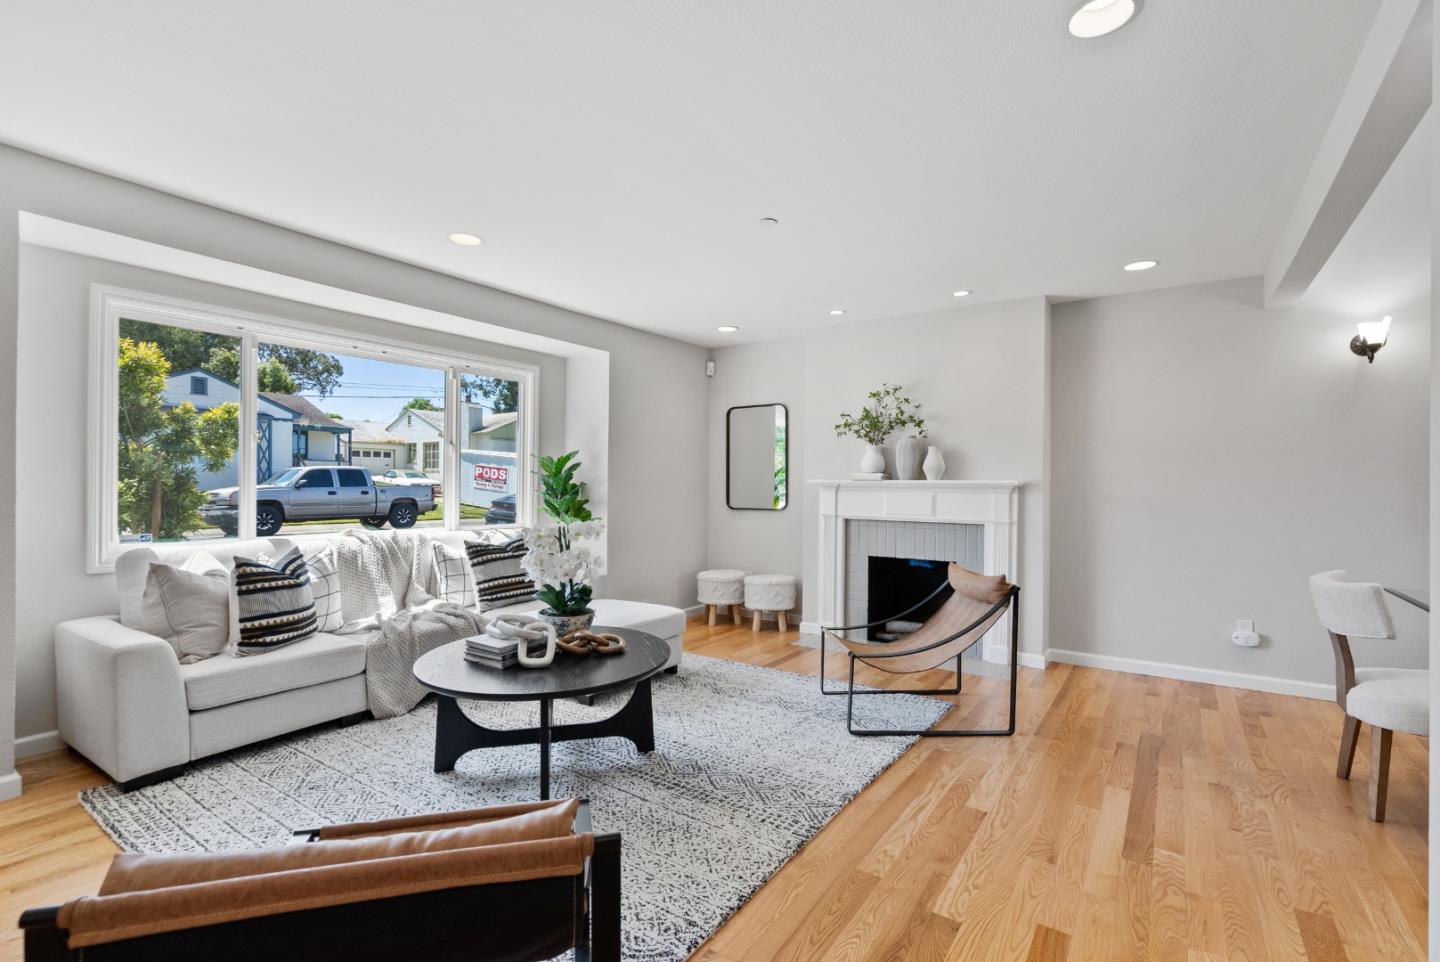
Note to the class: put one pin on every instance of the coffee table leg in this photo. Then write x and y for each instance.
(544, 749)
(452, 733)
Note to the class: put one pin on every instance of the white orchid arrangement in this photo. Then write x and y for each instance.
(561, 567)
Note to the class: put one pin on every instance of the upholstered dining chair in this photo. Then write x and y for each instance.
(1386, 699)
(974, 604)
(512, 883)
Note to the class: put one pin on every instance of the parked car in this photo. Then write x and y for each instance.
(407, 476)
(321, 494)
(502, 510)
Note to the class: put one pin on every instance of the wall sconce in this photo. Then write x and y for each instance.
(1371, 337)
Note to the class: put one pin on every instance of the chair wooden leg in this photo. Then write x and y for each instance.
(784, 625)
(1380, 739)
(710, 615)
(755, 625)
(735, 614)
(1349, 738)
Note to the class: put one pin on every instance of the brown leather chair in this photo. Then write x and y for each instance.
(511, 883)
(973, 604)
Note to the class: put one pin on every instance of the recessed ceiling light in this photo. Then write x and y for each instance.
(1099, 17)
(836, 313)
(1141, 265)
(768, 222)
(727, 328)
(467, 240)
(961, 293)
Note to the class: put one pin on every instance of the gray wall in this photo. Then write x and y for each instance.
(1210, 455)
(760, 541)
(654, 453)
(981, 375)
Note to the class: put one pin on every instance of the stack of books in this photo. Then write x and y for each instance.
(491, 652)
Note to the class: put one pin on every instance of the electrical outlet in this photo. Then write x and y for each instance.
(1244, 634)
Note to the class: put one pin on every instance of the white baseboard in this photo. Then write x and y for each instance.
(810, 628)
(1032, 659)
(694, 610)
(10, 786)
(38, 744)
(1209, 676)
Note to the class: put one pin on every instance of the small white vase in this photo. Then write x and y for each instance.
(908, 455)
(874, 460)
(934, 464)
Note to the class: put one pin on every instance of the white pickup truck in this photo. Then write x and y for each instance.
(320, 494)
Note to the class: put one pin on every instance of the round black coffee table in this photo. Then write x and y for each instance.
(446, 672)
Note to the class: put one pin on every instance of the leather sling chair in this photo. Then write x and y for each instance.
(513, 883)
(974, 604)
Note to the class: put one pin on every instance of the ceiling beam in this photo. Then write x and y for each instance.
(1388, 93)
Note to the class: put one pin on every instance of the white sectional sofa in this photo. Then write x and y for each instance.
(128, 705)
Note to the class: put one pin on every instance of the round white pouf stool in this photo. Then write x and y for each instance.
(770, 593)
(722, 586)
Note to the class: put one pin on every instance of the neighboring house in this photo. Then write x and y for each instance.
(496, 431)
(317, 438)
(275, 422)
(373, 446)
(421, 433)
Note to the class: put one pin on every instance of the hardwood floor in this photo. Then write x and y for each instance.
(1131, 818)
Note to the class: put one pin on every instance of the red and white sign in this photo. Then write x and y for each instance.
(492, 477)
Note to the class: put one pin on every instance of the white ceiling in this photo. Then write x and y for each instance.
(617, 156)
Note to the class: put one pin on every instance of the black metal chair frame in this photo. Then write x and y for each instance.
(1011, 600)
(442, 925)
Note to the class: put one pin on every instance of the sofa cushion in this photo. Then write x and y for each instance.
(317, 659)
(133, 565)
(189, 606)
(662, 621)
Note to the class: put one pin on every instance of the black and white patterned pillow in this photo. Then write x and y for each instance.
(499, 578)
(453, 576)
(274, 602)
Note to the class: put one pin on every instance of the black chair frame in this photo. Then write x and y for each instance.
(1011, 599)
(525, 921)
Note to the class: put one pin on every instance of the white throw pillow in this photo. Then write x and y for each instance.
(189, 606)
(454, 578)
(325, 585)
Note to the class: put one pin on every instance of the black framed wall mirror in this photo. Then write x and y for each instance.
(757, 457)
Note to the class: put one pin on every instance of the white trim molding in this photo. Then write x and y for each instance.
(9, 786)
(31, 745)
(1208, 676)
(994, 505)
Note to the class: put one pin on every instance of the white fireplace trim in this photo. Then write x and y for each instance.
(995, 505)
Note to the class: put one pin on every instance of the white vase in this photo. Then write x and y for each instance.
(874, 460)
(908, 455)
(934, 463)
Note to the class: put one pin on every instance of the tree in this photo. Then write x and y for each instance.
(272, 376)
(502, 394)
(219, 354)
(159, 446)
(419, 404)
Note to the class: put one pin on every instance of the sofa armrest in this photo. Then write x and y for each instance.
(121, 698)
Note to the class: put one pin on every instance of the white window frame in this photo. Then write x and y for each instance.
(109, 304)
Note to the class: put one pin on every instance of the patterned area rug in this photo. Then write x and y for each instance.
(749, 764)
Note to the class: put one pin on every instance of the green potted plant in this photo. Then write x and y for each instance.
(561, 566)
(887, 412)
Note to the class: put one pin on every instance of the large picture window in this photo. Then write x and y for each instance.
(211, 424)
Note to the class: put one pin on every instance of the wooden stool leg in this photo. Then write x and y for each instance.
(710, 614)
(735, 614)
(1349, 738)
(784, 625)
(756, 625)
(1380, 739)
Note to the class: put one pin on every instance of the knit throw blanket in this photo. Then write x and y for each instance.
(387, 586)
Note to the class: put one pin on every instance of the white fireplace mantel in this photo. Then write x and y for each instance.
(995, 505)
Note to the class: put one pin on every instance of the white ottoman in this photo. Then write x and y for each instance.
(770, 593)
(721, 586)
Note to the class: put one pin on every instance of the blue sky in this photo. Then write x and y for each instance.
(377, 390)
